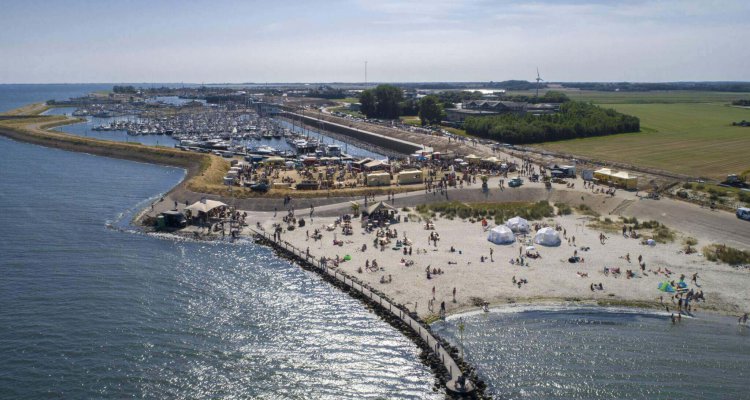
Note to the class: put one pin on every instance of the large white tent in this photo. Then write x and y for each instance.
(547, 237)
(204, 207)
(501, 234)
(518, 225)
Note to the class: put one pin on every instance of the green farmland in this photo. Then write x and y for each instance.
(689, 138)
(656, 96)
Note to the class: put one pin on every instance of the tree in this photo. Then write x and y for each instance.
(382, 102)
(430, 110)
(368, 103)
(389, 98)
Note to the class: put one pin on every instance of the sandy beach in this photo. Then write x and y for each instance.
(550, 278)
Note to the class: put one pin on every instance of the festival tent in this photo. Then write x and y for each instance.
(501, 234)
(518, 225)
(380, 206)
(547, 237)
(472, 159)
(204, 206)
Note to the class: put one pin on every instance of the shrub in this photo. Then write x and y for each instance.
(691, 241)
(584, 209)
(726, 254)
(500, 211)
(563, 209)
(663, 234)
(687, 185)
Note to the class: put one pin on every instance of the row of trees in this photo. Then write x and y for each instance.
(575, 120)
(742, 102)
(387, 102)
(125, 89)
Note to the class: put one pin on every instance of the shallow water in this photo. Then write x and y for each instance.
(596, 353)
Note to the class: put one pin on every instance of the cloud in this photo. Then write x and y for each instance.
(456, 40)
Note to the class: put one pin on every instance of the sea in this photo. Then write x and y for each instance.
(91, 307)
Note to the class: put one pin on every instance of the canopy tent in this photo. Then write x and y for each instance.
(471, 158)
(501, 234)
(547, 237)
(493, 160)
(380, 206)
(204, 207)
(518, 225)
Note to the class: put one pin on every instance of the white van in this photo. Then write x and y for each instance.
(743, 213)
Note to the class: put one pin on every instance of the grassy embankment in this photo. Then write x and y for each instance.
(204, 172)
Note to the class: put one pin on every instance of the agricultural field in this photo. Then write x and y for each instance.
(695, 139)
(656, 96)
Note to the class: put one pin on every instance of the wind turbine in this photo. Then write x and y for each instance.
(538, 79)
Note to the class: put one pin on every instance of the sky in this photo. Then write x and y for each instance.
(72, 41)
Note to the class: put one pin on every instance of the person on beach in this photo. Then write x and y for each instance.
(454, 294)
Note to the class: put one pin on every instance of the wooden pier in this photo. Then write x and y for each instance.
(386, 305)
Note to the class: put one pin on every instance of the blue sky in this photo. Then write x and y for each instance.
(326, 41)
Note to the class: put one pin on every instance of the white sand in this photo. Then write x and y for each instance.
(550, 278)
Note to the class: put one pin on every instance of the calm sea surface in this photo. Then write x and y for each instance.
(597, 353)
(90, 308)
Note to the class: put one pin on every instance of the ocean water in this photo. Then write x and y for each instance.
(598, 353)
(90, 308)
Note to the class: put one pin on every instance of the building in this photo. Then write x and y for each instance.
(620, 179)
(409, 177)
(378, 179)
(479, 108)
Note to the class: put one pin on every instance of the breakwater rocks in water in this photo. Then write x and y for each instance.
(443, 358)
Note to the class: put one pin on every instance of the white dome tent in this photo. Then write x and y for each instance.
(501, 234)
(518, 225)
(547, 237)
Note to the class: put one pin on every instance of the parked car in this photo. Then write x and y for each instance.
(515, 182)
(743, 213)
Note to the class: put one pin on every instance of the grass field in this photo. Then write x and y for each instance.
(665, 96)
(695, 139)
(347, 100)
(411, 120)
